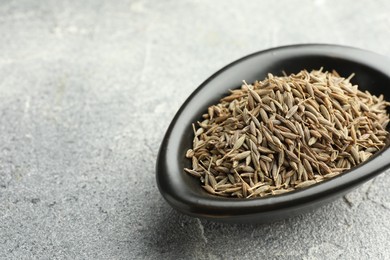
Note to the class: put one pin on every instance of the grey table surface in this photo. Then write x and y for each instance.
(87, 90)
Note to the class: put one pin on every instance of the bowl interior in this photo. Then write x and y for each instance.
(366, 77)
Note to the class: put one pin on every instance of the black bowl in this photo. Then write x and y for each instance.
(184, 193)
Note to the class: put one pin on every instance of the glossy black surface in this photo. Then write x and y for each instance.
(184, 193)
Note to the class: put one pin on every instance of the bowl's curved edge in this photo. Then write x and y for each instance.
(185, 205)
(279, 211)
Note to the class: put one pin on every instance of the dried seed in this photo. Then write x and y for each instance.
(309, 89)
(251, 102)
(355, 154)
(261, 189)
(324, 121)
(311, 116)
(266, 158)
(255, 95)
(190, 153)
(209, 189)
(292, 111)
(222, 182)
(307, 166)
(264, 115)
(239, 142)
(292, 156)
(278, 192)
(312, 141)
(289, 135)
(230, 190)
(193, 173)
(265, 150)
(241, 156)
(325, 112)
(305, 184)
(231, 178)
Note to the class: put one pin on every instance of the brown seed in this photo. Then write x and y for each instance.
(255, 96)
(261, 189)
(252, 128)
(311, 116)
(309, 89)
(209, 189)
(263, 166)
(325, 112)
(312, 141)
(292, 111)
(289, 135)
(266, 158)
(264, 115)
(331, 175)
(255, 120)
(193, 173)
(265, 150)
(230, 190)
(222, 182)
(307, 166)
(239, 142)
(241, 156)
(278, 192)
(355, 154)
(323, 121)
(305, 184)
(190, 153)
(251, 102)
(231, 178)
(221, 187)
(292, 156)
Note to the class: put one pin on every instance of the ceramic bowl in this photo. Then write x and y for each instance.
(184, 193)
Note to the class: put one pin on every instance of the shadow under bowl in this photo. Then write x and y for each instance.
(184, 192)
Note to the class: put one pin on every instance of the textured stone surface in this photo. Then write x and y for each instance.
(87, 89)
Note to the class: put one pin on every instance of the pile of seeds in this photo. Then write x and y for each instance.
(286, 133)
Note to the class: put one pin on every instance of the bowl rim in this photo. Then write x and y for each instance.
(216, 206)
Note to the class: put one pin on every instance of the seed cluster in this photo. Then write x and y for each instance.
(285, 133)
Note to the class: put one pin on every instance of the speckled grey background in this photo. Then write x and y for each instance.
(87, 90)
